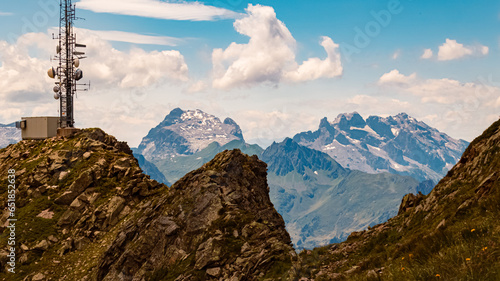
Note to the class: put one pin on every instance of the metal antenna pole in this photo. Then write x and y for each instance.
(69, 59)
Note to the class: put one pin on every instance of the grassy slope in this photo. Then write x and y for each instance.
(453, 234)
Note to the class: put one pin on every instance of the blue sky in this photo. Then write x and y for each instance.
(262, 63)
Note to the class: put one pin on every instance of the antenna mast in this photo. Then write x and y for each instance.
(67, 72)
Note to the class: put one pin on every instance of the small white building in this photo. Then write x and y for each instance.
(36, 128)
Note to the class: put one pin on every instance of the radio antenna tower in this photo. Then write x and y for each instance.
(67, 72)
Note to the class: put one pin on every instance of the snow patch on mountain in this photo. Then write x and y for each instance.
(9, 134)
(397, 144)
(185, 132)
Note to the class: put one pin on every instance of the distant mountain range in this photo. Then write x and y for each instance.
(347, 175)
(187, 132)
(397, 144)
(9, 134)
(322, 202)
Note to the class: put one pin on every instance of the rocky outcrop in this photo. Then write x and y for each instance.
(456, 224)
(87, 212)
(216, 223)
(70, 194)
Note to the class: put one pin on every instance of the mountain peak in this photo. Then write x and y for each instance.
(206, 220)
(347, 120)
(398, 144)
(184, 132)
(458, 218)
(289, 156)
(324, 123)
(86, 197)
(173, 117)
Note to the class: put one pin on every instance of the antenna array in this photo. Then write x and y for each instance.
(67, 72)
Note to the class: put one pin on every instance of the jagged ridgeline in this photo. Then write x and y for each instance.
(87, 212)
(451, 234)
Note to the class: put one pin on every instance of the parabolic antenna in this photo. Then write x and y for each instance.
(51, 72)
(78, 74)
(67, 72)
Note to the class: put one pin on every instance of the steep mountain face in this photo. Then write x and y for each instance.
(397, 144)
(321, 202)
(150, 169)
(9, 134)
(185, 132)
(216, 223)
(175, 167)
(450, 234)
(86, 212)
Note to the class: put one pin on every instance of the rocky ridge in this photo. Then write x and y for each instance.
(87, 212)
(397, 144)
(322, 202)
(71, 195)
(450, 234)
(216, 223)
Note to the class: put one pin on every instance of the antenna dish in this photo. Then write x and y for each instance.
(56, 96)
(51, 72)
(78, 74)
(76, 62)
(56, 89)
(58, 49)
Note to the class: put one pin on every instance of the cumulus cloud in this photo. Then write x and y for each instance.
(269, 56)
(462, 109)
(135, 68)
(452, 50)
(23, 76)
(427, 54)
(264, 127)
(24, 65)
(441, 91)
(193, 11)
(395, 77)
(315, 68)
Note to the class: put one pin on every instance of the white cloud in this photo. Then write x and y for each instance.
(427, 54)
(263, 127)
(397, 78)
(23, 76)
(269, 56)
(24, 65)
(121, 36)
(135, 68)
(396, 54)
(452, 50)
(193, 11)
(457, 108)
(441, 91)
(5, 14)
(315, 68)
(196, 87)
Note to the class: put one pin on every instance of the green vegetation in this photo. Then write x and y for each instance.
(453, 234)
